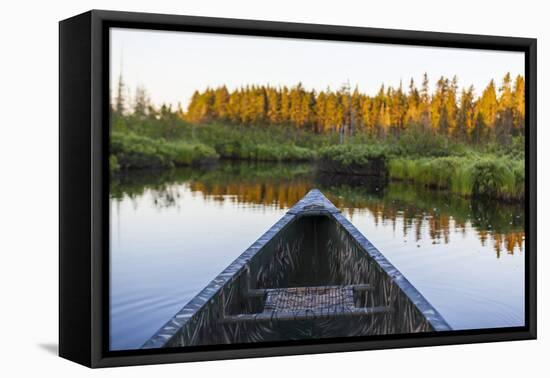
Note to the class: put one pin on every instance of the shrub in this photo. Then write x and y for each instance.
(417, 142)
(359, 159)
(138, 151)
(188, 154)
(113, 163)
(133, 151)
(267, 152)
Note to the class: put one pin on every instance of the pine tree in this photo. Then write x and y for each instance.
(308, 109)
(355, 112)
(234, 106)
(466, 115)
(221, 102)
(398, 110)
(425, 105)
(248, 106)
(384, 121)
(378, 113)
(505, 116)
(438, 109)
(412, 116)
(451, 106)
(141, 102)
(331, 113)
(285, 105)
(366, 115)
(273, 106)
(320, 108)
(518, 105)
(480, 131)
(390, 111)
(120, 102)
(488, 106)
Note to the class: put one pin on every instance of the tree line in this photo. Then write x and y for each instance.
(498, 113)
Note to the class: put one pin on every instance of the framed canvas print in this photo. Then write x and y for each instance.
(235, 188)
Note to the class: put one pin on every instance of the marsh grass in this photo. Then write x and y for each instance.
(471, 176)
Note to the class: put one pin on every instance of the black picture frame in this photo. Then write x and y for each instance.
(84, 185)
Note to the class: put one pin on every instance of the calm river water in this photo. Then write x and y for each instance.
(173, 231)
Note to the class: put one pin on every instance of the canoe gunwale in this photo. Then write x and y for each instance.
(314, 203)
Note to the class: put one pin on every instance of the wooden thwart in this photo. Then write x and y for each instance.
(307, 303)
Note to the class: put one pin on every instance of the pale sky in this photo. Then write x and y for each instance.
(172, 65)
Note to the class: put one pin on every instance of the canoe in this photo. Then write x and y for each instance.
(311, 275)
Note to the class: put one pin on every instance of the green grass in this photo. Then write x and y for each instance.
(471, 176)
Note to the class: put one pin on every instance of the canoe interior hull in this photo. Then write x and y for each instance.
(310, 250)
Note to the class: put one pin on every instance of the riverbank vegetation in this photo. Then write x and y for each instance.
(449, 139)
(471, 176)
(129, 150)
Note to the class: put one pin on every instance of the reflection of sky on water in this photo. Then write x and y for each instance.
(460, 276)
(168, 244)
(162, 257)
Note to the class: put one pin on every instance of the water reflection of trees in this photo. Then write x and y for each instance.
(440, 213)
(281, 186)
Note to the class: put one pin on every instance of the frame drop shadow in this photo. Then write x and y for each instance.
(52, 348)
